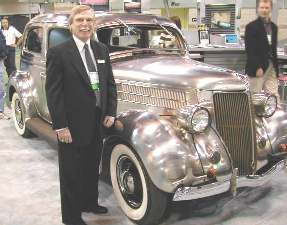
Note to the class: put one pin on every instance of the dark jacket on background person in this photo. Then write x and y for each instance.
(71, 100)
(3, 46)
(258, 49)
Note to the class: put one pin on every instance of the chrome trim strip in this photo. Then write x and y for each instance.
(189, 193)
(258, 180)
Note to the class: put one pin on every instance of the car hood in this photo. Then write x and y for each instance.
(178, 72)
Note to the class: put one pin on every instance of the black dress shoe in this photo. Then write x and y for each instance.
(81, 222)
(97, 210)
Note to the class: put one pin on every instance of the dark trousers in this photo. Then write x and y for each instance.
(9, 62)
(79, 175)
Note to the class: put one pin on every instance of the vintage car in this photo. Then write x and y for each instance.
(184, 130)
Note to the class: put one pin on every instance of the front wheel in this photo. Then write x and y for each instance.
(137, 196)
(18, 115)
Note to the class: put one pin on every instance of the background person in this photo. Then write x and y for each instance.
(81, 97)
(177, 21)
(13, 39)
(3, 55)
(261, 49)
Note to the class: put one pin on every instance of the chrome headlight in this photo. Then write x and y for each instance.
(194, 118)
(265, 104)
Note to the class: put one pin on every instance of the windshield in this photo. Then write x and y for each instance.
(127, 37)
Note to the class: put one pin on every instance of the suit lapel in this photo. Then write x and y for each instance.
(263, 31)
(273, 34)
(77, 62)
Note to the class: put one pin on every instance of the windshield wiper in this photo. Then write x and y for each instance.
(166, 30)
(130, 28)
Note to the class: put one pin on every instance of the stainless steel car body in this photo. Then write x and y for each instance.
(152, 86)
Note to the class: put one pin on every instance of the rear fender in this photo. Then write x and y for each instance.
(20, 82)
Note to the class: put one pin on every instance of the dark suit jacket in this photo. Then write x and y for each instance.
(71, 100)
(257, 47)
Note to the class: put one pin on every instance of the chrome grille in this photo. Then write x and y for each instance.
(150, 95)
(233, 119)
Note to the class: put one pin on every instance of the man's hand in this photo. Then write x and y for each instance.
(64, 136)
(259, 72)
(109, 121)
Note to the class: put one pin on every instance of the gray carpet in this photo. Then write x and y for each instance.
(29, 193)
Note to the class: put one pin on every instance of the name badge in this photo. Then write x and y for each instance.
(101, 61)
(269, 37)
(94, 78)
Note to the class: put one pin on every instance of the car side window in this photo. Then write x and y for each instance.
(139, 36)
(58, 36)
(34, 40)
(124, 38)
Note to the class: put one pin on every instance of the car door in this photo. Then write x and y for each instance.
(33, 61)
(55, 36)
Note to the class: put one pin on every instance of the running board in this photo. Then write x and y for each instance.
(44, 130)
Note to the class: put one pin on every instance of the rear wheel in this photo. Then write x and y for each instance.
(18, 115)
(137, 196)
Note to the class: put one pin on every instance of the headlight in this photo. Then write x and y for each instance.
(194, 118)
(265, 104)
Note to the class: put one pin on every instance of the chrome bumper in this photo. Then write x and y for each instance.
(189, 193)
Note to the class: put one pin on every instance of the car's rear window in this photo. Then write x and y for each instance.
(58, 36)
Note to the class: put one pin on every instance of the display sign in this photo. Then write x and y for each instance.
(95, 2)
(204, 37)
(231, 39)
(132, 6)
(98, 5)
(221, 20)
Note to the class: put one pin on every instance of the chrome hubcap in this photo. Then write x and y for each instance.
(19, 114)
(129, 182)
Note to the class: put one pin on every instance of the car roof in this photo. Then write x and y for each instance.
(105, 18)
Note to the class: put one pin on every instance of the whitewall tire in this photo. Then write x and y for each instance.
(137, 196)
(18, 115)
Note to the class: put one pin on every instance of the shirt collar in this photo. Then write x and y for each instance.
(265, 21)
(80, 44)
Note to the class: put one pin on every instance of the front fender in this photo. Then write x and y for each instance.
(169, 156)
(164, 156)
(276, 128)
(214, 154)
(20, 82)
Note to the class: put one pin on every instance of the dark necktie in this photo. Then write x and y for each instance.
(92, 68)
(90, 64)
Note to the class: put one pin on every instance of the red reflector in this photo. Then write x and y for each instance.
(211, 172)
(283, 147)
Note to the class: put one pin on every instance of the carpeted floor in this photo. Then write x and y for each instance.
(29, 193)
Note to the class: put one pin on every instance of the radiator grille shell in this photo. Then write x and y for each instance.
(234, 122)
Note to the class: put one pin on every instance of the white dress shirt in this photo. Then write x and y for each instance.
(80, 45)
(11, 34)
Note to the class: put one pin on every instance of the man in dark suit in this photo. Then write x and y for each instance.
(81, 96)
(261, 49)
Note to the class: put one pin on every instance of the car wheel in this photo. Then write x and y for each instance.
(138, 197)
(18, 115)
